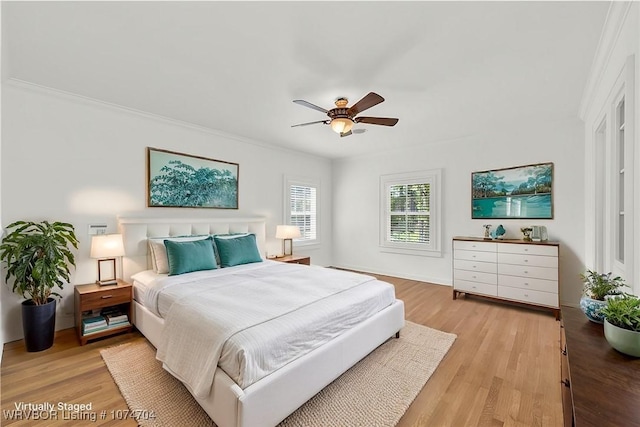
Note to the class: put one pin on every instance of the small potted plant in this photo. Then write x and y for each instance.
(622, 324)
(37, 258)
(597, 288)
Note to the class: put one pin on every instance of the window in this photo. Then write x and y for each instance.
(610, 219)
(410, 218)
(301, 208)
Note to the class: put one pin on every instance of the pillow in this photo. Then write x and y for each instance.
(185, 257)
(236, 250)
(224, 236)
(159, 252)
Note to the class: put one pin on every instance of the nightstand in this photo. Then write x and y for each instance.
(114, 299)
(294, 259)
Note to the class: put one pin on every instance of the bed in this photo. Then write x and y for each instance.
(242, 397)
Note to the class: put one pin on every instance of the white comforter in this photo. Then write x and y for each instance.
(255, 319)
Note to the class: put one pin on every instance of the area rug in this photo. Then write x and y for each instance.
(375, 392)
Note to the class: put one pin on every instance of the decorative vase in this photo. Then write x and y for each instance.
(624, 340)
(591, 308)
(38, 324)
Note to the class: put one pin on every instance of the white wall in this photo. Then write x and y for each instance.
(70, 159)
(356, 198)
(620, 40)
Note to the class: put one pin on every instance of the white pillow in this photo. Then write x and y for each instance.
(158, 251)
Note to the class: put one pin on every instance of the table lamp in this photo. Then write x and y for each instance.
(287, 233)
(106, 247)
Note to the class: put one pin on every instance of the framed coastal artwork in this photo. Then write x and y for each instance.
(519, 192)
(187, 181)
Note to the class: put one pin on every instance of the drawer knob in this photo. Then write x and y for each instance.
(526, 283)
(526, 249)
(473, 277)
(526, 295)
(526, 272)
(526, 260)
(106, 296)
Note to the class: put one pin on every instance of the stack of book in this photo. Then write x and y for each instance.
(115, 317)
(93, 324)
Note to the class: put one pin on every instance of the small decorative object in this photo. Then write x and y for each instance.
(526, 233)
(622, 324)
(597, 288)
(517, 192)
(37, 257)
(498, 232)
(182, 180)
(487, 228)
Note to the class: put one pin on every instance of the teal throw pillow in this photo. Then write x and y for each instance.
(237, 250)
(185, 257)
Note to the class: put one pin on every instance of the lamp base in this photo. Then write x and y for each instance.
(107, 282)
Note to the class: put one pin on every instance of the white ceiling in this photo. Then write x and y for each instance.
(446, 69)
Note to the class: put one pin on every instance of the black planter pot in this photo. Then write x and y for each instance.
(38, 324)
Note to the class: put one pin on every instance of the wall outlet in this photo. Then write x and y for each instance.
(95, 229)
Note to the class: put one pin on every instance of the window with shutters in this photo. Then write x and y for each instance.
(301, 208)
(410, 220)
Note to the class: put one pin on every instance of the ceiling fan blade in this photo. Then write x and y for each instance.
(326, 122)
(345, 134)
(367, 102)
(384, 121)
(310, 105)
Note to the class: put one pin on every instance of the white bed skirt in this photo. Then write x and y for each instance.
(270, 400)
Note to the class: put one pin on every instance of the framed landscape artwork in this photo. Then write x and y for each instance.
(186, 181)
(519, 192)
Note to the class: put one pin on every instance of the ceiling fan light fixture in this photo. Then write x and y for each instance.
(341, 124)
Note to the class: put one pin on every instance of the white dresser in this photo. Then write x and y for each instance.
(513, 270)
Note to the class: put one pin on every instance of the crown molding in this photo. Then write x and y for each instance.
(23, 84)
(614, 22)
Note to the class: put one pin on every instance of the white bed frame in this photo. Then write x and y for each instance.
(273, 398)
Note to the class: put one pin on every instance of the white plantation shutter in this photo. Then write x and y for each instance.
(410, 219)
(303, 210)
(409, 213)
(301, 207)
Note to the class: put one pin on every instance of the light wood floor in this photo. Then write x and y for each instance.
(503, 369)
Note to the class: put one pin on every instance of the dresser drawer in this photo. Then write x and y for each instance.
(474, 246)
(524, 249)
(105, 298)
(475, 276)
(528, 271)
(484, 267)
(475, 255)
(476, 288)
(528, 283)
(529, 296)
(535, 260)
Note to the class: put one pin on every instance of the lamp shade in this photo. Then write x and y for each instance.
(287, 232)
(107, 246)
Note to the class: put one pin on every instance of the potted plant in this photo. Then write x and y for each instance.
(622, 324)
(37, 258)
(597, 288)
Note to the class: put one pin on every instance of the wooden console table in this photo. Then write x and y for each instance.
(603, 386)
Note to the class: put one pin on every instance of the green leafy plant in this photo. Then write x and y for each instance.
(597, 286)
(38, 257)
(623, 312)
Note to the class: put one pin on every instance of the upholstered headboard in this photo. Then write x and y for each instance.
(136, 231)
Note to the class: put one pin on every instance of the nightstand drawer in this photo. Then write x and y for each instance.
(105, 298)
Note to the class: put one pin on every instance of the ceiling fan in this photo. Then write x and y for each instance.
(341, 119)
